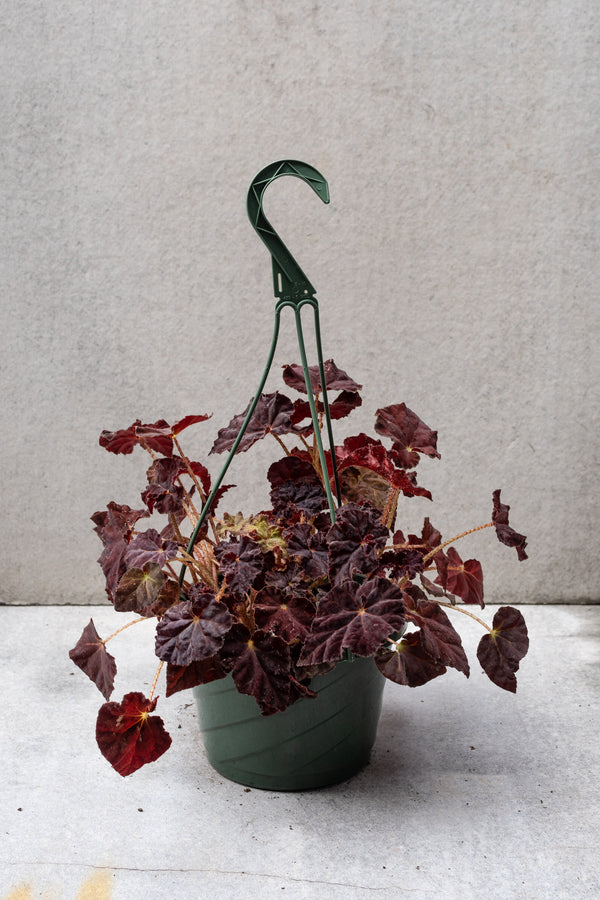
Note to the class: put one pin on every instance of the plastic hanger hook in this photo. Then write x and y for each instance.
(289, 281)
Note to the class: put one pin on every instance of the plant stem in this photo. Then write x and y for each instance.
(462, 610)
(196, 482)
(281, 444)
(153, 688)
(456, 538)
(119, 630)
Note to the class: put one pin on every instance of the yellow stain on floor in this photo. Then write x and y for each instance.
(23, 892)
(97, 887)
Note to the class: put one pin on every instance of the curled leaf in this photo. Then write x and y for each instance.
(504, 532)
(501, 651)
(335, 379)
(409, 433)
(464, 579)
(92, 657)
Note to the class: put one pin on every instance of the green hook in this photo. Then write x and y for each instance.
(289, 281)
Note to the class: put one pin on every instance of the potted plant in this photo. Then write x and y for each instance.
(286, 623)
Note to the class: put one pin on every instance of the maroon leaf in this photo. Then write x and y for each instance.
(410, 435)
(354, 617)
(429, 539)
(288, 615)
(365, 452)
(139, 588)
(309, 546)
(438, 637)
(354, 541)
(92, 657)
(261, 667)
(241, 562)
(162, 493)
(122, 441)
(295, 483)
(464, 579)
(128, 736)
(156, 437)
(501, 651)
(339, 408)
(505, 533)
(273, 415)
(193, 630)
(335, 379)
(402, 563)
(114, 527)
(409, 663)
(149, 547)
(187, 421)
(180, 678)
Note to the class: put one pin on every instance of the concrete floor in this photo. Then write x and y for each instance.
(471, 792)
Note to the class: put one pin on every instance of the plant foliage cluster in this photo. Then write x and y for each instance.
(282, 595)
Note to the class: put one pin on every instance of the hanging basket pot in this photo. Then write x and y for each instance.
(312, 744)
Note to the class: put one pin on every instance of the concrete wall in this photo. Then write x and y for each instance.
(456, 267)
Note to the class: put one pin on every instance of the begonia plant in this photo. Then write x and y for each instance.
(281, 595)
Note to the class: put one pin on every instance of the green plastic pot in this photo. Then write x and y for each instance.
(312, 744)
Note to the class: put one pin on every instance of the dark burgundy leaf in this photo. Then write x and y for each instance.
(114, 527)
(162, 493)
(364, 452)
(288, 615)
(402, 562)
(192, 630)
(505, 533)
(310, 548)
(335, 379)
(354, 617)
(435, 590)
(429, 539)
(438, 636)
(261, 666)
(180, 678)
(187, 421)
(410, 435)
(128, 736)
(149, 547)
(295, 483)
(139, 588)
(241, 562)
(464, 579)
(501, 651)
(339, 408)
(409, 663)
(354, 541)
(273, 415)
(121, 441)
(92, 657)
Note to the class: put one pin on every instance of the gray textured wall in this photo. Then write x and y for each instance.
(456, 266)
